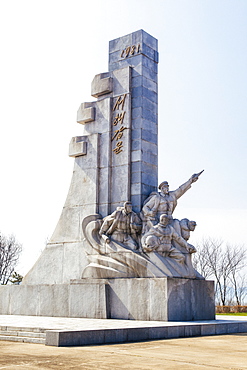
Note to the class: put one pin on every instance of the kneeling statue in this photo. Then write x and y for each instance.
(159, 238)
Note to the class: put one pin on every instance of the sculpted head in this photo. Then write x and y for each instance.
(128, 207)
(191, 225)
(164, 220)
(164, 187)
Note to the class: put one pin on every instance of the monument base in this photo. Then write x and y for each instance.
(146, 299)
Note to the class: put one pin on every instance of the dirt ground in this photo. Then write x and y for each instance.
(213, 352)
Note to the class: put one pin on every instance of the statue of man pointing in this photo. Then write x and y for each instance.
(164, 202)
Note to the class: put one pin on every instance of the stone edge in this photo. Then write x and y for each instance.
(63, 338)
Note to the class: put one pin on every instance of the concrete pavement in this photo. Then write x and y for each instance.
(211, 352)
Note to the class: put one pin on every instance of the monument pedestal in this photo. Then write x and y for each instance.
(146, 299)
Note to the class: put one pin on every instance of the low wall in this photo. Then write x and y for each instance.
(161, 299)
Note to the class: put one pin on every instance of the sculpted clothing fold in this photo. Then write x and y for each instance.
(123, 227)
(158, 203)
(160, 237)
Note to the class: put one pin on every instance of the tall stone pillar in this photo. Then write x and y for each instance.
(139, 50)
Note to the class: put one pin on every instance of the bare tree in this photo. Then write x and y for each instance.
(221, 263)
(10, 251)
(239, 283)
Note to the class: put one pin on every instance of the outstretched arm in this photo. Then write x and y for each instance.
(187, 185)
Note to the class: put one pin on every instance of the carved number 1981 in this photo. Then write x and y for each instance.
(130, 50)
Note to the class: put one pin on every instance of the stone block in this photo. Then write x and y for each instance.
(149, 115)
(149, 157)
(122, 81)
(121, 192)
(149, 136)
(136, 201)
(136, 156)
(137, 81)
(69, 225)
(137, 334)
(104, 209)
(156, 56)
(74, 261)
(233, 327)
(195, 297)
(243, 327)
(149, 180)
(20, 297)
(135, 189)
(150, 95)
(136, 134)
(87, 300)
(149, 84)
(148, 104)
(140, 123)
(52, 338)
(48, 268)
(102, 122)
(114, 57)
(146, 189)
(102, 84)
(158, 333)
(120, 43)
(135, 62)
(137, 113)
(77, 147)
(137, 102)
(150, 147)
(104, 185)
(105, 149)
(136, 144)
(57, 296)
(134, 38)
(85, 114)
(57, 265)
(175, 332)
(192, 330)
(149, 62)
(136, 177)
(116, 335)
(143, 36)
(221, 329)
(208, 329)
(137, 91)
(148, 73)
(4, 299)
(137, 71)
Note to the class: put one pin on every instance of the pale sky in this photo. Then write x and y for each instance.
(50, 52)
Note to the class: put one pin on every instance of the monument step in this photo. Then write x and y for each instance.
(21, 334)
(22, 329)
(22, 339)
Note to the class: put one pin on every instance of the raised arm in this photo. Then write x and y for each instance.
(187, 185)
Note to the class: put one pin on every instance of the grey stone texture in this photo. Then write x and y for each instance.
(146, 299)
(115, 161)
(59, 331)
(111, 166)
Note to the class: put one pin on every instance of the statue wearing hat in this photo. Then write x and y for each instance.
(163, 202)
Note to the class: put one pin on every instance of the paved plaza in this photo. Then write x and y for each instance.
(211, 352)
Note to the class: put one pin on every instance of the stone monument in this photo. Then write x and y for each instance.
(117, 251)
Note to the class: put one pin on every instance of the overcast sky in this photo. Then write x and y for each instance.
(50, 52)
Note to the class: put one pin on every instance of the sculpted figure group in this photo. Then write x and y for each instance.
(154, 230)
